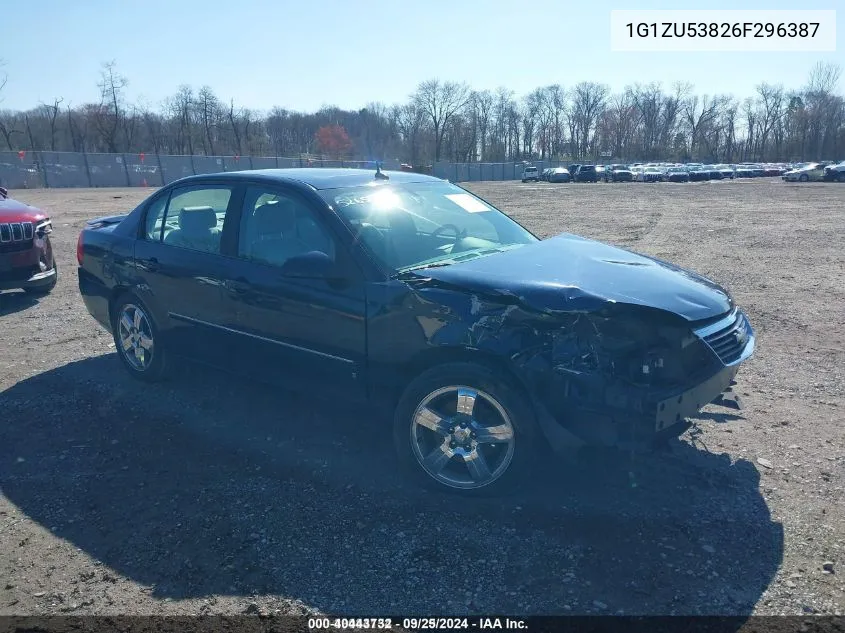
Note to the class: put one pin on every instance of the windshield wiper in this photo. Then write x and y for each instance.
(456, 259)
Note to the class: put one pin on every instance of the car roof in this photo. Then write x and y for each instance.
(316, 177)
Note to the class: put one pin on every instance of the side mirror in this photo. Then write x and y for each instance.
(315, 264)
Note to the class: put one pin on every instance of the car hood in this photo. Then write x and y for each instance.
(572, 273)
(14, 211)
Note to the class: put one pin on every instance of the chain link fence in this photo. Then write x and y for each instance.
(28, 170)
(32, 170)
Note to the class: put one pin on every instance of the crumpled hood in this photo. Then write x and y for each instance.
(571, 273)
(14, 211)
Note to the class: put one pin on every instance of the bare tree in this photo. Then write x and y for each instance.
(51, 114)
(208, 110)
(529, 115)
(483, 101)
(111, 108)
(411, 119)
(588, 101)
(441, 101)
(771, 105)
(729, 126)
(700, 113)
(234, 125)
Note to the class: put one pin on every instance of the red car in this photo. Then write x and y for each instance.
(26, 255)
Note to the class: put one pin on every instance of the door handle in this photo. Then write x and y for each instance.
(150, 265)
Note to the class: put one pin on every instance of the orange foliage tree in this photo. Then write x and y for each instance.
(333, 140)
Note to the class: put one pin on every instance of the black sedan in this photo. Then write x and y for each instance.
(404, 290)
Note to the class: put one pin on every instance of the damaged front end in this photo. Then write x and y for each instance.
(629, 376)
(604, 372)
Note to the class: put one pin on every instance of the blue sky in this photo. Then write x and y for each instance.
(301, 55)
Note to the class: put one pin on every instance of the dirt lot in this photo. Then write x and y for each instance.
(211, 495)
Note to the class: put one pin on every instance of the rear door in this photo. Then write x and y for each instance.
(182, 262)
(296, 330)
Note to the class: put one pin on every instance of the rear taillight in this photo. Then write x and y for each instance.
(79, 249)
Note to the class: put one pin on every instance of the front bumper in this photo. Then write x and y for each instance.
(635, 417)
(25, 279)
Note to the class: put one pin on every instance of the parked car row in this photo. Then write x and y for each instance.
(687, 172)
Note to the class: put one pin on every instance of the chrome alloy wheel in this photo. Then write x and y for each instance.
(462, 437)
(136, 337)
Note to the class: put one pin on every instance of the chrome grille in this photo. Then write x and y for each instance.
(729, 337)
(16, 232)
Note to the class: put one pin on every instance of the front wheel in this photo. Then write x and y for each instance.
(136, 338)
(460, 427)
(840, 177)
(803, 178)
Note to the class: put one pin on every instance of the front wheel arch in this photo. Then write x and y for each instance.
(428, 359)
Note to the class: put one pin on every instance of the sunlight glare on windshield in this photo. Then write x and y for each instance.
(385, 200)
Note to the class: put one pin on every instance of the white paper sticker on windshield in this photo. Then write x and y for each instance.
(468, 203)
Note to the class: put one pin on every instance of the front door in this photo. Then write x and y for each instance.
(299, 329)
(182, 265)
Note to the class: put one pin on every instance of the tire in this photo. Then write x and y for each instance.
(460, 461)
(39, 291)
(147, 362)
(840, 177)
(803, 178)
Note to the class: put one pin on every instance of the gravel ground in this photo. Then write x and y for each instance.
(211, 495)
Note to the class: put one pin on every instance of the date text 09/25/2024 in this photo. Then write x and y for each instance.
(418, 623)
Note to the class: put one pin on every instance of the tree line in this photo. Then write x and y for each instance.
(445, 120)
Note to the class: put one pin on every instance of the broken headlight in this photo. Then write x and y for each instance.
(634, 351)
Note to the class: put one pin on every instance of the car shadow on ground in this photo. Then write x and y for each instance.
(209, 485)
(12, 302)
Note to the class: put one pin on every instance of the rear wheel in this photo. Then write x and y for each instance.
(803, 178)
(136, 340)
(840, 177)
(460, 427)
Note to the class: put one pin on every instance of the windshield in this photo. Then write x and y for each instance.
(414, 225)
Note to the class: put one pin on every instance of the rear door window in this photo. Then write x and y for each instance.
(192, 217)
